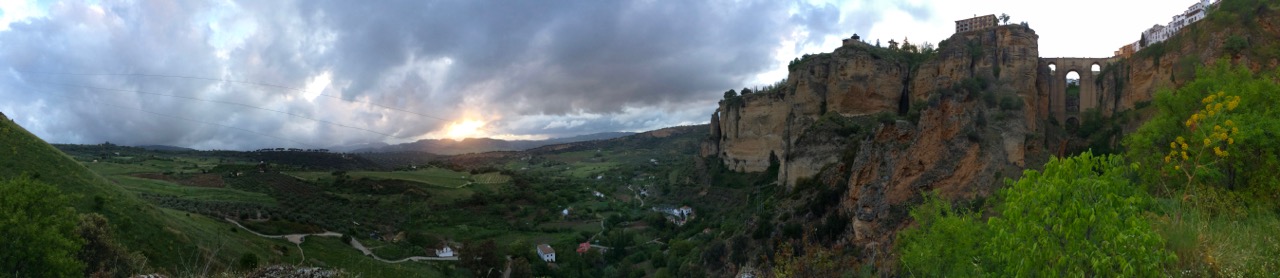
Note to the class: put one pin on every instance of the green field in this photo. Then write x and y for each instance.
(108, 168)
(430, 176)
(332, 253)
(435, 177)
(491, 178)
(141, 185)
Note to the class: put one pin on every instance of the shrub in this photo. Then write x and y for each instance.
(1079, 217)
(38, 227)
(1235, 44)
(1010, 103)
(248, 261)
(1217, 130)
(886, 118)
(946, 242)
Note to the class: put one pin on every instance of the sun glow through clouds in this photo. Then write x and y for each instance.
(464, 129)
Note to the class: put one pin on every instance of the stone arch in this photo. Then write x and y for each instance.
(1095, 68)
(1056, 84)
(1072, 80)
(1072, 124)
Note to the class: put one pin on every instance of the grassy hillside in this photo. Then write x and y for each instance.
(170, 240)
(174, 242)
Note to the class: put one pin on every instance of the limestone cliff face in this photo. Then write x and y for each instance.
(960, 149)
(1136, 79)
(861, 79)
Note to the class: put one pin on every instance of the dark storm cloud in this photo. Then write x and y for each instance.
(552, 68)
(559, 57)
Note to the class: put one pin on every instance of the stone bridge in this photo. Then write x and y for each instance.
(1067, 108)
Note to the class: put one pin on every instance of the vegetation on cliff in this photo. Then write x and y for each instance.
(1081, 215)
(1194, 194)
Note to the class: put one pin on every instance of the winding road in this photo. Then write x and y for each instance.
(297, 239)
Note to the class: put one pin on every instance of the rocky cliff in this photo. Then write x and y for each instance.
(889, 125)
(1253, 27)
(882, 126)
(863, 80)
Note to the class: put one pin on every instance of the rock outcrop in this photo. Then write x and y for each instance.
(861, 80)
(926, 135)
(925, 125)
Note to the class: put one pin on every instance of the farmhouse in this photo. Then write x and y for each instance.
(546, 253)
(444, 252)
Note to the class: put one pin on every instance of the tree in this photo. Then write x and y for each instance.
(38, 229)
(481, 258)
(1216, 131)
(520, 268)
(1080, 216)
(1005, 18)
(945, 243)
(102, 255)
(730, 94)
(746, 91)
(248, 261)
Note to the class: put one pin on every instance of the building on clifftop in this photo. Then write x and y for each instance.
(976, 23)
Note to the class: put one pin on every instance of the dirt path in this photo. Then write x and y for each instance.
(365, 250)
(637, 194)
(297, 239)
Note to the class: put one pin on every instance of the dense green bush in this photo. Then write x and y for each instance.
(1227, 121)
(38, 230)
(1010, 103)
(1079, 217)
(947, 243)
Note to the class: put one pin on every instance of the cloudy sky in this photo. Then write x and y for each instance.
(249, 74)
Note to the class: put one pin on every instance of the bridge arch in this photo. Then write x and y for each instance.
(1056, 69)
(1073, 92)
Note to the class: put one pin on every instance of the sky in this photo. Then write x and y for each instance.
(243, 75)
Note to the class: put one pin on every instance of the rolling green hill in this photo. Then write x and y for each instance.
(174, 242)
(170, 240)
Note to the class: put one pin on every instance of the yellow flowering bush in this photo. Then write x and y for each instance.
(1221, 130)
(1217, 139)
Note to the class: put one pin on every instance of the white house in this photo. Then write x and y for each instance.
(1159, 33)
(444, 252)
(546, 253)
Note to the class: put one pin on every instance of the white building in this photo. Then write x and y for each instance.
(444, 252)
(546, 253)
(1159, 33)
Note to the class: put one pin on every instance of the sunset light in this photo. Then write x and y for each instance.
(464, 129)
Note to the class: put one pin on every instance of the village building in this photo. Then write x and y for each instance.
(1159, 33)
(851, 40)
(444, 252)
(976, 23)
(1127, 50)
(546, 253)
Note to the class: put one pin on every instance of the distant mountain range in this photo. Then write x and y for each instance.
(474, 145)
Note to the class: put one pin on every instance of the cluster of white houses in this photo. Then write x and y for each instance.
(1159, 33)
